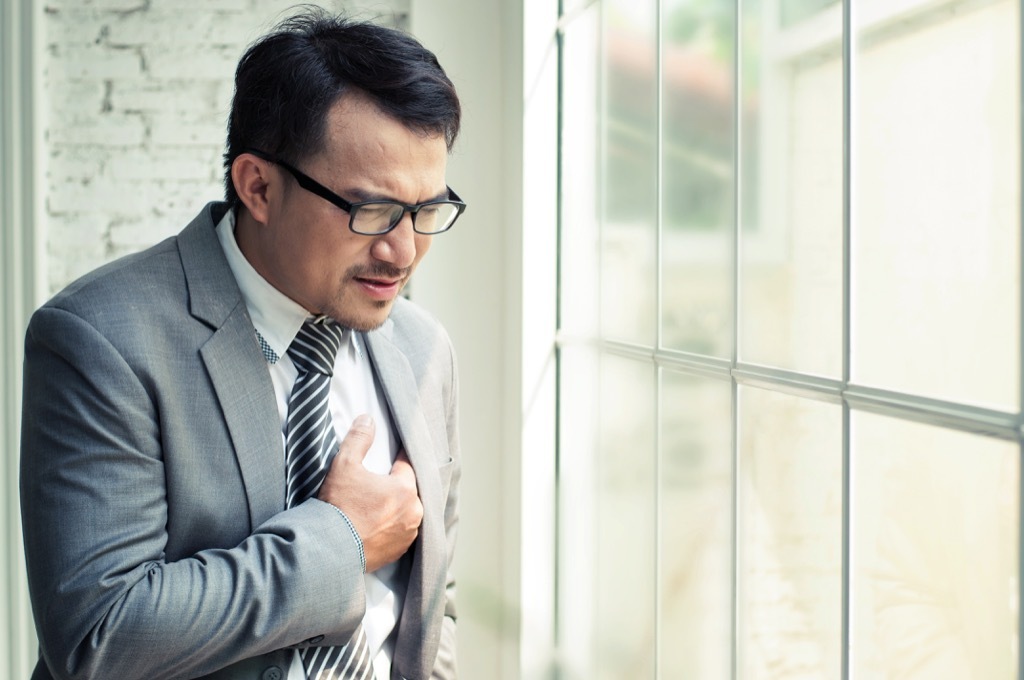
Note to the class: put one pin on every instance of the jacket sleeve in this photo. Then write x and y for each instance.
(94, 500)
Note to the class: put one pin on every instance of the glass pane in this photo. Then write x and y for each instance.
(580, 175)
(934, 552)
(698, 178)
(571, 6)
(624, 513)
(791, 271)
(695, 587)
(629, 162)
(578, 497)
(791, 541)
(936, 194)
(793, 11)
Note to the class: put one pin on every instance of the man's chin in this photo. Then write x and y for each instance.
(368, 320)
(367, 327)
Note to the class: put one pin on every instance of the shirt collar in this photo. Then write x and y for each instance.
(277, 317)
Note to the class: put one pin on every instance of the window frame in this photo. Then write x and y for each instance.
(803, 39)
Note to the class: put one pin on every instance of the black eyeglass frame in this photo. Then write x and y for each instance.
(311, 185)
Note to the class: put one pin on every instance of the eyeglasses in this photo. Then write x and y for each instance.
(373, 218)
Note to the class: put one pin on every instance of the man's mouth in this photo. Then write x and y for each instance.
(379, 288)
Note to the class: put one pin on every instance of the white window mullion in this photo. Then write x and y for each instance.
(847, 464)
(1020, 382)
(18, 238)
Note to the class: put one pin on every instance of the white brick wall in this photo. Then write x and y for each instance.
(135, 101)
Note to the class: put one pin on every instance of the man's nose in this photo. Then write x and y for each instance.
(398, 246)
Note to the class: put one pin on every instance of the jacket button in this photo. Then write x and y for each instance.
(272, 673)
(314, 640)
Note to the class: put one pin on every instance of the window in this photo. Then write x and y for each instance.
(789, 339)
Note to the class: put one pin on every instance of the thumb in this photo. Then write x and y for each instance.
(358, 439)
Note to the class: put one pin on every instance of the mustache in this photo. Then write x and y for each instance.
(378, 270)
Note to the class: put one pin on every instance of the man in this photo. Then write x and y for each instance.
(183, 514)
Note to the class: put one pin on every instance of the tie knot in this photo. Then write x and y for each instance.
(316, 345)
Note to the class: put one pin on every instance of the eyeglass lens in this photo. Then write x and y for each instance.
(375, 218)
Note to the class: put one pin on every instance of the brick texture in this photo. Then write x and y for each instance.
(135, 98)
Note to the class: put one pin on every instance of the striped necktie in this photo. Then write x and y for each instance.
(310, 442)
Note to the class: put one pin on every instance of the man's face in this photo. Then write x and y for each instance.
(306, 249)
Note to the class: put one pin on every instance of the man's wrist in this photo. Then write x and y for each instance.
(355, 535)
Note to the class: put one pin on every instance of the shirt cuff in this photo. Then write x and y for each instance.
(355, 535)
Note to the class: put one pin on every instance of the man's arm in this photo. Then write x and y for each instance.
(95, 512)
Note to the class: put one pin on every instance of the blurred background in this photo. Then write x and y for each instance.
(737, 302)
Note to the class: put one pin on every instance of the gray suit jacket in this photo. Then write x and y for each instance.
(152, 482)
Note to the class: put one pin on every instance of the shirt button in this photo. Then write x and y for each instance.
(272, 673)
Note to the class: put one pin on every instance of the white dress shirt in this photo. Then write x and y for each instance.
(354, 391)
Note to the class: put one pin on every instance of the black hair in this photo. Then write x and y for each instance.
(287, 82)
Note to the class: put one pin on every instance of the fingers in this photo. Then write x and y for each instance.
(402, 468)
(385, 510)
(401, 461)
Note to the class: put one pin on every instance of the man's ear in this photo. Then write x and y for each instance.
(251, 176)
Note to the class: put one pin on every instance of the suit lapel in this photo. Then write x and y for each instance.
(399, 383)
(429, 561)
(246, 394)
(236, 366)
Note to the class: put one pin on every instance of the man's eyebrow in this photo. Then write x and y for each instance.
(362, 196)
